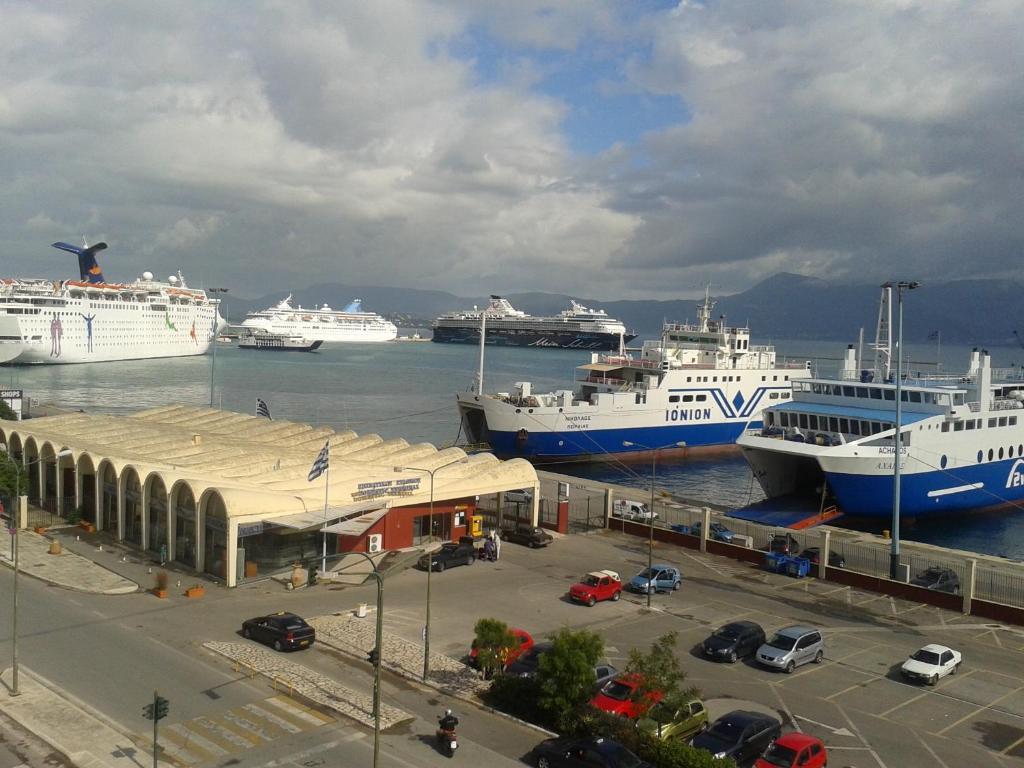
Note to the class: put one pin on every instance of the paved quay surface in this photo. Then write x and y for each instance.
(67, 569)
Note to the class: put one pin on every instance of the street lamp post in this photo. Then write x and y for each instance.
(894, 554)
(650, 512)
(430, 559)
(216, 333)
(15, 523)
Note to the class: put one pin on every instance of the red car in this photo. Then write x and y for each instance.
(524, 642)
(616, 697)
(599, 585)
(792, 750)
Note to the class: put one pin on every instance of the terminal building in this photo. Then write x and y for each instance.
(230, 495)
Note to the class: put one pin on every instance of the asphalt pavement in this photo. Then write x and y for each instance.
(112, 650)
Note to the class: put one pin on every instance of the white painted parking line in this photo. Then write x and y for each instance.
(859, 735)
(991, 705)
(785, 708)
(931, 751)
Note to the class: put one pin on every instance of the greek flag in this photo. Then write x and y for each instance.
(262, 409)
(321, 463)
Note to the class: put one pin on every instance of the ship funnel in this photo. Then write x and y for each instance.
(849, 370)
(88, 268)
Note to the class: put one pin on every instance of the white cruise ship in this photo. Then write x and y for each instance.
(322, 323)
(90, 320)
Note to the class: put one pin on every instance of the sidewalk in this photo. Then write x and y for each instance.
(67, 569)
(71, 727)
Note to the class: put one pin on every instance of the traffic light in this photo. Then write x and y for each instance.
(147, 711)
(313, 571)
(373, 656)
(162, 707)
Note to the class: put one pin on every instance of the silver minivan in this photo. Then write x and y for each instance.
(790, 647)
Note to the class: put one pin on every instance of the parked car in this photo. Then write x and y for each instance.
(450, 554)
(519, 496)
(739, 735)
(938, 579)
(666, 722)
(595, 586)
(282, 631)
(783, 544)
(835, 560)
(524, 642)
(930, 663)
(632, 510)
(716, 531)
(619, 697)
(567, 752)
(790, 647)
(794, 750)
(734, 641)
(657, 578)
(531, 537)
(527, 665)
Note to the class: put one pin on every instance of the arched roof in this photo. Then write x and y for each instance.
(260, 466)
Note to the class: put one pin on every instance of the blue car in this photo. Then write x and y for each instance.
(716, 531)
(657, 578)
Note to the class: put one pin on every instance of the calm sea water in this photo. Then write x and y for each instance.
(407, 390)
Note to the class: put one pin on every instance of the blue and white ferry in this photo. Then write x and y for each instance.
(962, 440)
(694, 389)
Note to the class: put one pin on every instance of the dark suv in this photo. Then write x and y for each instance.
(734, 641)
(938, 579)
(282, 631)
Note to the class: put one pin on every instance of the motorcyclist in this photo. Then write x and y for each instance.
(447, 721)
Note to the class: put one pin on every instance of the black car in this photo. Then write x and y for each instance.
(734, 641)
(739, 735)
(527, 664)
(783, 544)
(462, 553)
(531, 537)
(584, 753)
(281, 631)
(938, 579)
(835, 560)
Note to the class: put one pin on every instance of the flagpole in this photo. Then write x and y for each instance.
(327, 485)
(938, 350)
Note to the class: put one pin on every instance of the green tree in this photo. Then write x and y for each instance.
(659, 671)
(565, 675)
(6, 412)
(493, 642)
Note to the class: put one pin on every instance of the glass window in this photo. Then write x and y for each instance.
(945, 426)
(915, 397)
(889, 394)
(991, 423)
(844, 426)
(701, 398)
(673, 398)
(942, 461)
(1002, 421)
(980, 456)
(812, 421)
(803, 421)
(958, 426)
(849, 392)
(991, 454)
(876, 394)
(833, 424)
(970, 424)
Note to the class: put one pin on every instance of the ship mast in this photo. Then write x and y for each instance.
(883, 335)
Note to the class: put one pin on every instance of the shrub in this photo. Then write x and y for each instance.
(493, 642)
(516, 696)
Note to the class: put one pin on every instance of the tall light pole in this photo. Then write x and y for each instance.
(650, 512)
(430, 559)
(894, 554)
(15, 524)
(216, 333)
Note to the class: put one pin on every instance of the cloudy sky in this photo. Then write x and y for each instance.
(605, 149)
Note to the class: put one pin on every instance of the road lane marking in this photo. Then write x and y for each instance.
(785, 708)
(853, 688)
(900, 706)
(931, 751)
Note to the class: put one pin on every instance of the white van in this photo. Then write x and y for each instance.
(632, 510)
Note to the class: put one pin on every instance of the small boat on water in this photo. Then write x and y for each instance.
(258, 339)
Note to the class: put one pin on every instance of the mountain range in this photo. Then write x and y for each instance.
(975, 312)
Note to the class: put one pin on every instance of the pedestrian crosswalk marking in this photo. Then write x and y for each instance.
(210, 737)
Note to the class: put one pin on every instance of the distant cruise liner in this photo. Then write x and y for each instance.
(575, 328)
(323, 323)
(90, 320)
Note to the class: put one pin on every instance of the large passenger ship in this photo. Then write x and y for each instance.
(694, 389)
(578, 327)
(962, 439)
(322, 323)
(90, 320)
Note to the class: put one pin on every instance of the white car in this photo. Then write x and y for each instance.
(519, 496)
(930, 663)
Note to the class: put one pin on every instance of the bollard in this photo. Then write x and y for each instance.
(885, 533)
(361, 611)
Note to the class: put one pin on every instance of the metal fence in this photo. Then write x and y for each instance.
(999, 585)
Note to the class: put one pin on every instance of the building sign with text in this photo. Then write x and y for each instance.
(381, 488)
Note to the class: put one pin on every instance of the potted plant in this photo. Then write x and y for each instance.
(196, 590)
(160, 590)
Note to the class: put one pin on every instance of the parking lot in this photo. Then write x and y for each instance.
(855, 701)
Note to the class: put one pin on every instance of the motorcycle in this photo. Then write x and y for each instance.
(446, 734)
